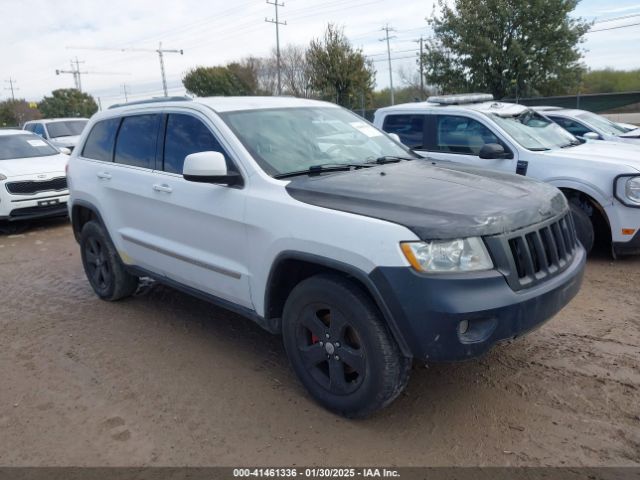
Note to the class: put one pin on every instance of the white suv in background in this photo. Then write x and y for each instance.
(33, 182)
(600, 179)
(61, 132)
(591, 126)
(308, 220)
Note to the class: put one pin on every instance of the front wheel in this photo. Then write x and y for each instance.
(340, 347)
(102, 265)
(584, 227)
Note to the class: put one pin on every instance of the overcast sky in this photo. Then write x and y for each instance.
(37, 36)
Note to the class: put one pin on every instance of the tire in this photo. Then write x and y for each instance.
(102, 265)
(584, 227)
(340, 348)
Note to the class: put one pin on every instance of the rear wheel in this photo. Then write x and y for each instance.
(584, 227)
(102, 265)
(340, 347)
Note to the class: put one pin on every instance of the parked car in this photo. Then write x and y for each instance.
(308, 220)
(33, 182)
(600, 179)
(591, 126)
(61, 132)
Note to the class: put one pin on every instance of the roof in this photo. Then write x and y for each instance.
(225, 104)
(484, 107)
(54, 120)
(14, 131)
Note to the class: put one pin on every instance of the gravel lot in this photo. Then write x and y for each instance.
(165, 379)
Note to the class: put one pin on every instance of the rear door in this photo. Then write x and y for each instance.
(197, 229)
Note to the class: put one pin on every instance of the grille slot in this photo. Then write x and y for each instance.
(542, 252)
(33, 187)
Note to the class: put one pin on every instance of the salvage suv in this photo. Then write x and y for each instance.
(600, 179)
(308, 220)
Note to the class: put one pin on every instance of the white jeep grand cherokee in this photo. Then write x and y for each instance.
(600, 179)
(305, 218)
(33, 182)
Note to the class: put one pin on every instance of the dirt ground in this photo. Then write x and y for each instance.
(165, 379)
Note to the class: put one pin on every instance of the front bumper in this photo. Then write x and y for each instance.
(632, 247)
(428, 310)
(23, 207)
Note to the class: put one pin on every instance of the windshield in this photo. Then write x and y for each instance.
(286, 140)
(601, 123)
(24, 146)
(535, 132)
(66, 129)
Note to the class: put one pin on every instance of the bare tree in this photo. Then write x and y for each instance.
(295, 71)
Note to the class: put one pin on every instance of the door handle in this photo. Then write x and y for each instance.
(104, 175)
(162, 188)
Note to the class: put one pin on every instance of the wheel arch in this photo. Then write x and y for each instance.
(81, 213)
(580, 193)
(291, 267)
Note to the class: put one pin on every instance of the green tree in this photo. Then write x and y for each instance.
(68, 102)
(13, 113)
(610, 81)
(233, 79)
(506, 47)
(337, 71)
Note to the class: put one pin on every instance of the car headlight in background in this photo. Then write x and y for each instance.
(626, 188)
(2, 177)
(460, 255)
(632, 189)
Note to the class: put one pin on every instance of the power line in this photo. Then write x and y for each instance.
(388, 29)
(605, 20)
(614, 28)
(277, 23)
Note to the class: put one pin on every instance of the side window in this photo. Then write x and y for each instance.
(136, 141)
(186, 135)
(456, 134)
(571, 126)
(410, 129)
(99, 144)
(29, 127)
(38, 129)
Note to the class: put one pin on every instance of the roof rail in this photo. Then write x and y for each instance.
(461, 99)
(153, 100)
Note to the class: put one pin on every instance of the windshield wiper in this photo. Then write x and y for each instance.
(390, 159)
(325, 167)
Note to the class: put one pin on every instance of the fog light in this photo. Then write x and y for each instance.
(463, 327)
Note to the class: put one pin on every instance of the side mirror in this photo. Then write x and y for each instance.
(395, 136)
(209, 167)
(591, 136)
(65, 150)
(493, 151)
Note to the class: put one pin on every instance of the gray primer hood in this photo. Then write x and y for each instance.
(435, 200)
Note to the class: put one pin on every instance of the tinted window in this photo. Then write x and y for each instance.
(29, 126)
(66, 129)
(38, 129)
(462, 135)
(409, 128)
(24, 145)
(99, 144)
(570, 126)
(186, 135)
(136, 142)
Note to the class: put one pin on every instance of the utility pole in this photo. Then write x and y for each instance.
(160, 51)
(388, 29)
(75, 71)
(11, 83)
(126, 92)
(277, 22)
(421, 42)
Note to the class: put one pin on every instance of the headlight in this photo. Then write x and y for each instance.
(626, 188)
(460, 255)
(2, 177)
(632, 189)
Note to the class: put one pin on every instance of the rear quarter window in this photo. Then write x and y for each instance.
(410, 129)
(101, 140)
